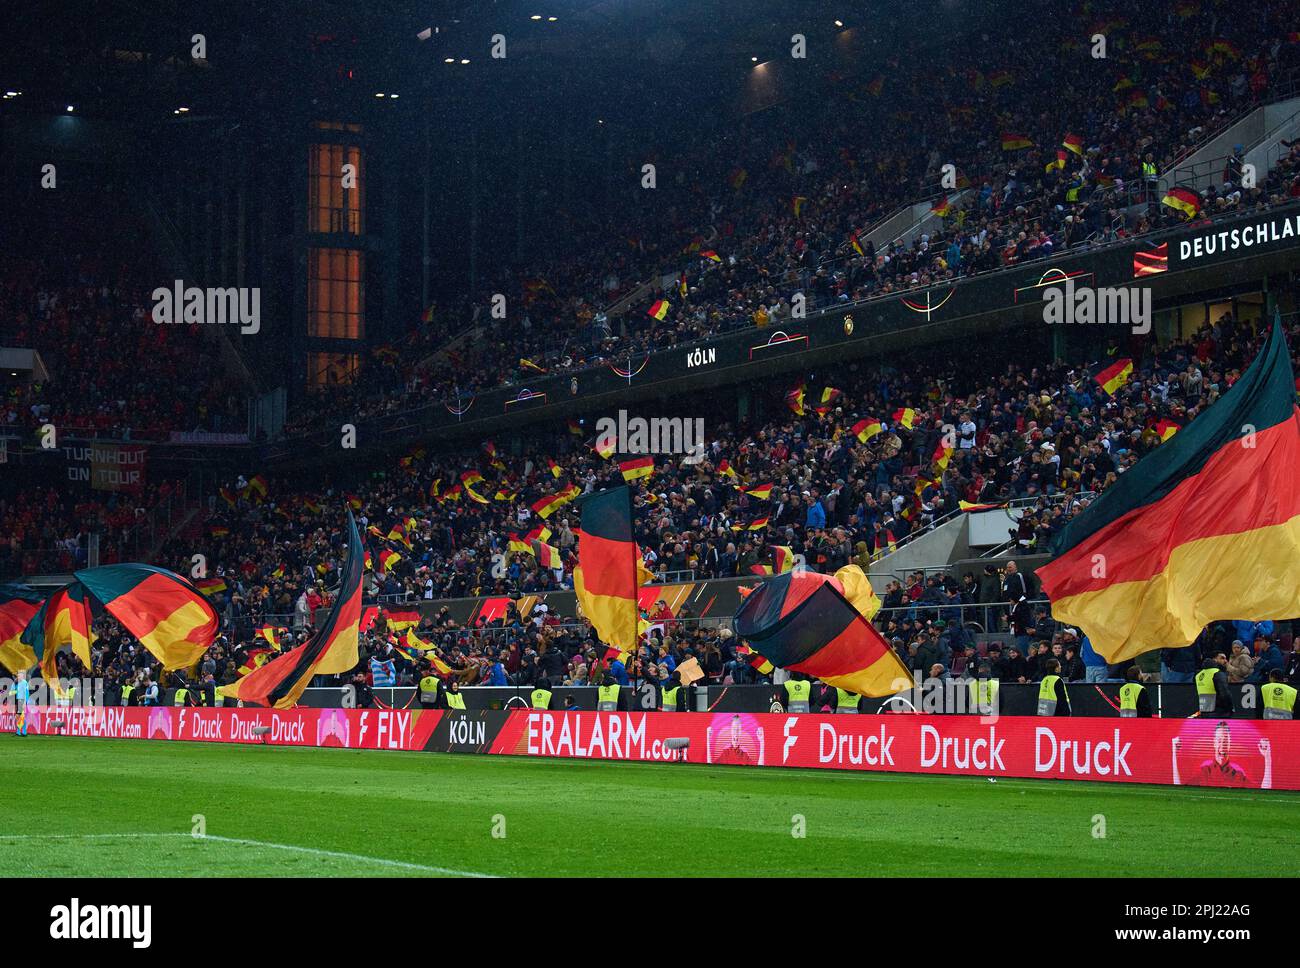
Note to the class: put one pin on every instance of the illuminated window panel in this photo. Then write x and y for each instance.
(336, 304)
(331, 208)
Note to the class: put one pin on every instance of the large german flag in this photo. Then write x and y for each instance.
(170, 616)
(1204, 528)
(609, 568)
(332, 650)
(18, 604)
(63, 621)
(801, 621)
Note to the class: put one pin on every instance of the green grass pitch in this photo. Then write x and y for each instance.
(91, 807)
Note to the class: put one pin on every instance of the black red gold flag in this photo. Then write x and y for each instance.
(803, 622)
(1206, 527)
(609, 568)
(332, 650)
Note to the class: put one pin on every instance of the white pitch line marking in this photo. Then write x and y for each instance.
(340, 855)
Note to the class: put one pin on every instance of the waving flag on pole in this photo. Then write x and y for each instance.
(18, 605)
(609, 568)
(255, 659)
(816, 624)
(1183, 199)
(171, 617)
(794, 399)
(1206, 527)
(635, 468)
(332, 650)
(63, 621)
(547, 505)
(866, 428)
(211, 586)
(905, 416)
(1110, 377)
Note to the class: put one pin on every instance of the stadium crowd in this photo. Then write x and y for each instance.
(1048, 435)
(762, 224)
(551, 651)
(864, 147)
(75, 286)
(46, 529)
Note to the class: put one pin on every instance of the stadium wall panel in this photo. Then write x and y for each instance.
(1185, 752)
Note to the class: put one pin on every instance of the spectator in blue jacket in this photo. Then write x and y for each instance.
(1094, 666)
(1267, 658)
(497, 674)
(816, 514)
(1247, 632)
(619, 672)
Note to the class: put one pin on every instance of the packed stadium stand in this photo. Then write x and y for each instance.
(770, 217)
(1044, 437)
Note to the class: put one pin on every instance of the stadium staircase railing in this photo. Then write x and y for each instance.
(1197, 167)
(1258, 132)
(947, 541)
(463, 338)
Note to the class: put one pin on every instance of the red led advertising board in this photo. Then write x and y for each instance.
(1246, 753)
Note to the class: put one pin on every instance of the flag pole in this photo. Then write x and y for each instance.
(636, 585)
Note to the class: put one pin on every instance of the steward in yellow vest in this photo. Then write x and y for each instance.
(798, 694)
(181, 697)
(607, 695)
(429, 690)
(126, 694)
(1133, 700)
(1279, 698)
(1212, 688)
(845, 701)
(668, 695)
(1052, 697)
(984, 694)
(540, 698)
(452, 697)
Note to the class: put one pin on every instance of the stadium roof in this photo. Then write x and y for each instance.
(131, 58)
